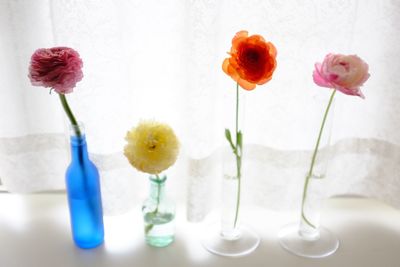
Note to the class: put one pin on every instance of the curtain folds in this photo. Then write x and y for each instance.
(162, 60)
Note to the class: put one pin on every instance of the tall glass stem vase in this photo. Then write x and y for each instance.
(307, 238)
(83, 191)
(229, 237)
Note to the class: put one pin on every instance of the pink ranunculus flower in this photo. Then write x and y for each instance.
(59, 68)
(344, 73)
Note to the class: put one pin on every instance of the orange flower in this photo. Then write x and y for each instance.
(252, 61)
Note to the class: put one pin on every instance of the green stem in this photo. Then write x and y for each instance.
(238, 164)
(237, 111)
(238, 152)
(70, 115)
(148, 227)
(314, 156)
(158, 193)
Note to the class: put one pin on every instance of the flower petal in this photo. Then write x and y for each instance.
(352, 91)
(318, 78)
(59, 68)
(230, 70)
(246, 85)
(343, 73)
(252, 60)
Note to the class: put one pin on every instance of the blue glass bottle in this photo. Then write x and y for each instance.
(84, 197)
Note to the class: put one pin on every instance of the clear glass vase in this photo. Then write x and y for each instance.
(158, 214)
(307, 238)
(230, 237)
(84, 194)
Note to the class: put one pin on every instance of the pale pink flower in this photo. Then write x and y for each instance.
(344, 73)
(59, 68)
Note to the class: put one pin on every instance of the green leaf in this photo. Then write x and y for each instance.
(148, 228)
(229, 138)
(239, 140)
(228, 135)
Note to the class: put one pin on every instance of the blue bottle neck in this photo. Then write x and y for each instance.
(78, 148)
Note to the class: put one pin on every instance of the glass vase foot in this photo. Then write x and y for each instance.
(160, 242)
(325, 245)
(245, 243)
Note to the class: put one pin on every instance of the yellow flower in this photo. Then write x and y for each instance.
(152, 147)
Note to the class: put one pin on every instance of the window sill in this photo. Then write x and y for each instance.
(34, 231)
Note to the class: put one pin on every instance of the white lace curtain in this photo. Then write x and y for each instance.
(162, 60)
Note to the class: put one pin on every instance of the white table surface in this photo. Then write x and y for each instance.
(34, 231)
